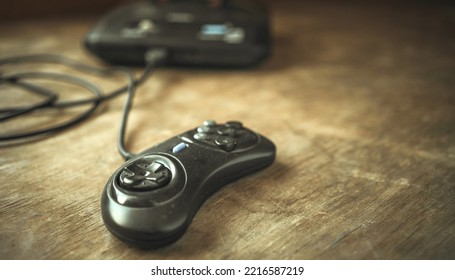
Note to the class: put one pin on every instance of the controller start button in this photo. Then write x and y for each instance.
(144, 175)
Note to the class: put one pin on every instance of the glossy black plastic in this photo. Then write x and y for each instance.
(198, 168)
(191, 32)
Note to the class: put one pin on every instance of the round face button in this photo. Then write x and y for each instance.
(226, 143)
(205, 129)
(234, 124)
(201, 136)
(144, 175)
(227, 131)
(209, 123)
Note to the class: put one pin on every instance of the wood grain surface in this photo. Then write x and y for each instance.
(358, 98)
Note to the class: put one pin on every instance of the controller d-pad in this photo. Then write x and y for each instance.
(144, 175)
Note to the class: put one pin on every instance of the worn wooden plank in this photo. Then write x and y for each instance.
(358, 99)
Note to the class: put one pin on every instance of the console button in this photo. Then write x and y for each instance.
(234, 124)
(205, 129)
(231, 136)
(201, 136)
(227, 131)
(144, 175)
(209, 123)
(179, 147)
(226, 143)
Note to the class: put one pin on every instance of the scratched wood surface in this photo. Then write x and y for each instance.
(358, 98)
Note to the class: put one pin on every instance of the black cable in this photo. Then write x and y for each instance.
(63, 78)
(152, 57)
(151, 62)
(9, 113)
(61, 60)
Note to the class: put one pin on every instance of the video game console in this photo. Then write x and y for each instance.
(194, 33)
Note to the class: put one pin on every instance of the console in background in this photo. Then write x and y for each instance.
(194, 33)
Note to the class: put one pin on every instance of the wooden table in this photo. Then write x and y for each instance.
(359, 100)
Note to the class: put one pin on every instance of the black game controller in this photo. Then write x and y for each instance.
(151, 199)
